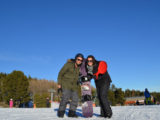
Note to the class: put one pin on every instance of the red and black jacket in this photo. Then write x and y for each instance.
(100, 72)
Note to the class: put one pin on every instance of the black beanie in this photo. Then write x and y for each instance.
(79, 55)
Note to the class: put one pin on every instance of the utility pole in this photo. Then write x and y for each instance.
(52, 91)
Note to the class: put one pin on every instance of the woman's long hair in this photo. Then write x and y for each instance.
(93, 58)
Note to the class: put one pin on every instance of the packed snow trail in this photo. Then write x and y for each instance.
(119, 113)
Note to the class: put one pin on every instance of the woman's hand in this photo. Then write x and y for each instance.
(98, 76)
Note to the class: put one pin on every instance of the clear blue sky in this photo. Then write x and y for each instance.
(38, 36)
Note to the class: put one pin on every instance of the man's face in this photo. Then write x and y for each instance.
(79, 60)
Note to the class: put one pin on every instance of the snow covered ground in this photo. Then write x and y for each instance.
(119, 113)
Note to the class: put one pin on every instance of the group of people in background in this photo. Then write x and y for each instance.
(68, 82)
(19, 104)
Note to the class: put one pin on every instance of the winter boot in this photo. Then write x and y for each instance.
(108, 115)
(102, 113)
(72, 114)
(61, 114)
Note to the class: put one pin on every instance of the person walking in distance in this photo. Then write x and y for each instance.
(47, 102)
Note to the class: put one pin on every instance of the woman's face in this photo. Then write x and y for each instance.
(90, 61)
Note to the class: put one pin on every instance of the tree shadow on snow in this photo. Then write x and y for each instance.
(78, 112)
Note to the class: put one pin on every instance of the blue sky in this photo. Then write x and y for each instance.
(38, 36)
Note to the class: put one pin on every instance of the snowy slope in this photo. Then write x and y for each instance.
(119, 113)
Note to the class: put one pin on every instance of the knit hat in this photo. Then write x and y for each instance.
(79, 55)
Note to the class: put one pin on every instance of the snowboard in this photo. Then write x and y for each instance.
(87, 104)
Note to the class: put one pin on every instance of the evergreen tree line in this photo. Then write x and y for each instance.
(22, 89)
(117, 96)
(14, 85)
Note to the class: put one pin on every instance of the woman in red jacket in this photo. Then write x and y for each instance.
(102, 80)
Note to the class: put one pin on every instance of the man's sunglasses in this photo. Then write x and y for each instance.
(79, 60)
(89, 61)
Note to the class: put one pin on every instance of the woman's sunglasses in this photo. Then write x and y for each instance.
(89, 61)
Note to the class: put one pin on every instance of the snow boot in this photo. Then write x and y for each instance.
(72, 114)
(108, 115)
(102, 113)
(61, 114)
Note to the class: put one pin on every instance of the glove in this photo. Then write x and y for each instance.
(96, 76)
(100, 76)
(90, 76)
(59, 90)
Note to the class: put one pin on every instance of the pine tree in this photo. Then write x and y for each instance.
(127, 93)
(2, 79)
(111, 97)
(16, 87)
(40, 100)
(119, 96)
(111, 94)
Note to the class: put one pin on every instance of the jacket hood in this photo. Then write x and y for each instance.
(71, 60)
